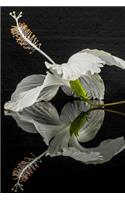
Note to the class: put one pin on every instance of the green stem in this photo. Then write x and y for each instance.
(106, 104)
(107, 110)
(115, 112)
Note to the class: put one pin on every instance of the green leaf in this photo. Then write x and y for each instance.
(79, 90)
(78, 123)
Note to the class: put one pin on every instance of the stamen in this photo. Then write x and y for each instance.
(25, 37)
(13, 14)
(25, 169)
(28, 34)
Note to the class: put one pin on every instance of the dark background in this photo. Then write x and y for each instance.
(62, 32)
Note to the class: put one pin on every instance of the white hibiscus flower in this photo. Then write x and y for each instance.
(79, 76)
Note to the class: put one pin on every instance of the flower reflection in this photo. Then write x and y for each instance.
(64, 133)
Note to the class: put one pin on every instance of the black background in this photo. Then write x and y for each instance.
(62, 32)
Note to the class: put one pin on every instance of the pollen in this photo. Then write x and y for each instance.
(24, 36)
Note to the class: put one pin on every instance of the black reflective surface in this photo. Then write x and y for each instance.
(64, 31)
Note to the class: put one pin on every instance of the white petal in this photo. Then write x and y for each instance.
(79, 64)
(83, 62)
(93, 123)
(32, 89)
(71, 110)
(50, 87)
(85, 157)
(28, 83)
(42, 112)
(24, 99)
(40, 118)
(54, 68)
(91, 126)
(109, 148)
(59, 142)
(67, 90)
(98, 155)
(106, 57)
(47, 131)
(93, 84)
(25, 125)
